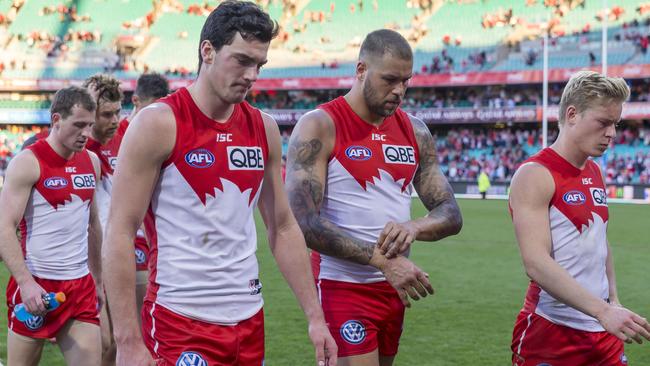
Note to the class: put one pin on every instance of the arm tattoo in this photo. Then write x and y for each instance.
(433, 188)
(305, 191)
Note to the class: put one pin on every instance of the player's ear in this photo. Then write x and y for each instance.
(571, 115)
(206, 51)
(362, 67)
(55, 118)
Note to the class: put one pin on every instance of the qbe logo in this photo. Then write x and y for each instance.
(574, 198)
(35, 322)
(112, 162)
(353, 332)
(190, 358)
(599, 196)
(358, 153)
(397, 154)
(55, 183)
(199, 158)
(83, 181)
(245, 158)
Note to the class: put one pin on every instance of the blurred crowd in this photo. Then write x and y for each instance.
(463, 152)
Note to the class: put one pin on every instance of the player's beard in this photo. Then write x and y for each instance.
(374, 102)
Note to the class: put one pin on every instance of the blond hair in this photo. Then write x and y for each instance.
(588, 88)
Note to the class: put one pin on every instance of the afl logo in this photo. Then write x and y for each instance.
(34, 322)
(574, 198)
(199, 158)
(353, 332)
(191, 359)
(358, 153)
(55, 183)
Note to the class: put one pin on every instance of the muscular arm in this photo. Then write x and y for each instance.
(136, 174)
(531, 191)
(287, 242)
(444, 217)
(95, 232)
(310, 145)
(21, 175)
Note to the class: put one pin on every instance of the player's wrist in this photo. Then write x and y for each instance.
(601, 312)
(378, 260)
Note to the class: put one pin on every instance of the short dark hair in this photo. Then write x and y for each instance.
(231, 17)
(151, 86)
(382, 41)
(65, 99)
(107, 87)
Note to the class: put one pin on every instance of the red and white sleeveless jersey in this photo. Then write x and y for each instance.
(369, 183)
(200, 222)
(54, 228)
(578, 216)
(108, 157)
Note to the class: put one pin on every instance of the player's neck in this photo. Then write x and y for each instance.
(358, 104)
(210, 104)
(59, 148)
(570, 152)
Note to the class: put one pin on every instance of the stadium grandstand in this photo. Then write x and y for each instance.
(478, 84)
(477, 78)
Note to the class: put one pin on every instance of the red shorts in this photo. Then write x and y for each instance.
(141, 254)
(537, 341)
(173, 338)
(81, 304)
(362, 317)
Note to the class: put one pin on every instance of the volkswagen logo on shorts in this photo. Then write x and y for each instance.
(55, 183)
(353, 332)
(140, 257)
(190, 358)
(199, 158)
(35, 322)
(358, 153)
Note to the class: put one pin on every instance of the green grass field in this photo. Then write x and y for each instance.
(480, 285)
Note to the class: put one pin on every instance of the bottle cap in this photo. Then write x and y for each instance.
(60, 297)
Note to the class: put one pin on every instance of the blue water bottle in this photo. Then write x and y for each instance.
(51, 300)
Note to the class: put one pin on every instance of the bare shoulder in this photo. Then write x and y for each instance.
(269, 124)
(23, 168)
(532, 182)
(316, 123)
(95, 161)
(419, 127)
(152, 132)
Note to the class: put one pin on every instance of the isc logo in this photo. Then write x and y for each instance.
(574, 198)
(199, 158)
(396, 154)
(83, 181)
(358, 153)
(55, 183)
(245, 158)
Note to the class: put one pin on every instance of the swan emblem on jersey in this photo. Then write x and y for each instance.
(574, 198)
(353, 332)
(199, 158)
(35, 322)
(190, 358)
(358, 153)
(55, 183)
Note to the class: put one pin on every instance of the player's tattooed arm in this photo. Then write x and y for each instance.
(309, 148)
(444, 217)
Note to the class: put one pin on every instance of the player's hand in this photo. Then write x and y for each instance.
(624, 324)
(101, 297)
(396, 238)
(31, 294)
(134, 354)
(326, 349)
(407, 279)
